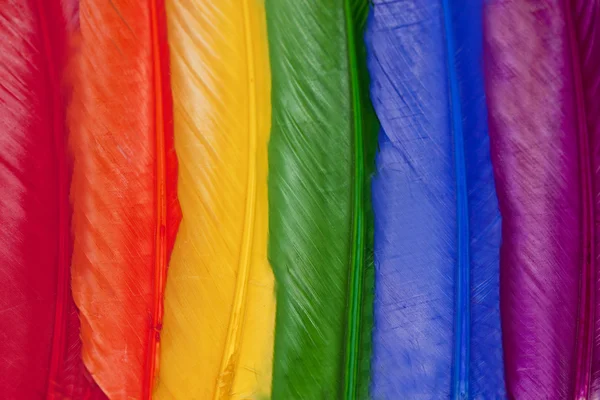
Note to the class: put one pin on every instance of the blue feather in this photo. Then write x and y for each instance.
(437, 224)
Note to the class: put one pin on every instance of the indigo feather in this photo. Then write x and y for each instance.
(540, 151)
(437, 225)
(320, 157)
(39, 329)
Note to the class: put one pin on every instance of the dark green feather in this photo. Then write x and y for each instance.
(320, 161)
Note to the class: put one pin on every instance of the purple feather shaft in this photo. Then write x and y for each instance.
(584, 19)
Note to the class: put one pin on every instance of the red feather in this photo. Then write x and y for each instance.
(39, 326)
(125, 211)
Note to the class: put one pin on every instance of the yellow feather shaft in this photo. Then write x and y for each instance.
(217, 339)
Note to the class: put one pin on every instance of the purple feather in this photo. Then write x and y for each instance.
(538, 62)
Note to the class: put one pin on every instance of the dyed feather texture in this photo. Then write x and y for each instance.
(125, 212)
(437, 226)
(70, 9)
(220, 300)
(39, 329)
(540, 151)
(320, 157)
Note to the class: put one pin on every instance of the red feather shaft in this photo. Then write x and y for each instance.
(168, 211)
(123, 193)
(39, 337)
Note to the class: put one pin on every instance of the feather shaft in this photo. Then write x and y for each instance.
(586, 290)
(584, 38)
(357, 272)
(584, 19)
(239, 301)
(58, 130)
(161, 247)
(462, 323)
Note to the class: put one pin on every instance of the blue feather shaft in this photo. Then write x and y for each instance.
(462, 320)
(437, 225)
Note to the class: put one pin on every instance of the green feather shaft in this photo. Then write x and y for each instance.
(365, 128)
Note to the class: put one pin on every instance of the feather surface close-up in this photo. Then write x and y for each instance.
(537, 57)
(125, 210)
(39, 326)
(437, 225)
(320, 157)
(299, 199)
(220, 299)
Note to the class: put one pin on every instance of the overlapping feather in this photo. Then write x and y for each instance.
(319, 158)
(437, 225)
(220, 300)
(437, 330)
(39, 327)
(125, 212)
(541, 163)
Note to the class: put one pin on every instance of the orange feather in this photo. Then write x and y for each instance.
(125, 211)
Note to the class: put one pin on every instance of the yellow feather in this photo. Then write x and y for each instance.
(217, 338)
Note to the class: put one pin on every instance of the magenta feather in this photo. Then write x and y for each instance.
(542, 73)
